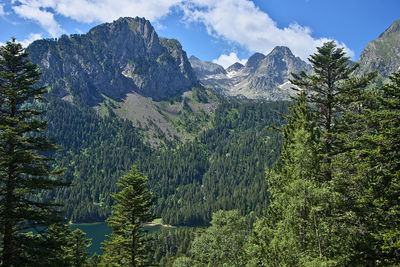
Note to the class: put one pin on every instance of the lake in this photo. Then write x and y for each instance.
(98, 231)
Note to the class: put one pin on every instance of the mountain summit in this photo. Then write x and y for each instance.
(114, 59)
(383, 53)
(263, 76)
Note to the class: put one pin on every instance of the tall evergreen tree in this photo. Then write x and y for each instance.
(330, 90)
(296, 230)
(303, 226)
(367, 176)
(25, 169)
(127, 244)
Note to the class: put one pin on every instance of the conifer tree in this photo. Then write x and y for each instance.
(367, 176)
(296, 230)
(77, 248)
(303, 226)
(25, 169)
(127, 244)
(331, 89)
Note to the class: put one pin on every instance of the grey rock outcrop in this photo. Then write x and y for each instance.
(263, 77)
(383, 53)
(114, 59)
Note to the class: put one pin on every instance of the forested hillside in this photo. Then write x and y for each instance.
(222, 168)
(94, 151)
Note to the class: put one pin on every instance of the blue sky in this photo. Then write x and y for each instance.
(223, 31)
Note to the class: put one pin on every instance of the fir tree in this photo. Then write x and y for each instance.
(331, 89)
(77, 248)
(305, 225)
(367, 177)
(25, 169)
(127, 244)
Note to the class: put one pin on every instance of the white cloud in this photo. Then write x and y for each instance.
(2, 13)
(88, 11)
(32, 10)
(227, 60)
(238, 21)
(108, 10)
(242, 22)
(32, 37)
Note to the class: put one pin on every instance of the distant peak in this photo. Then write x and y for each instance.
(193, 58)
(394, 28)
(235, 67)
(283, 50)
(254, 60)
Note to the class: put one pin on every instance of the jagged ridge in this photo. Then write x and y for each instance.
(114, 59)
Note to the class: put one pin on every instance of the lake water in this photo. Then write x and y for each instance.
(98, 231)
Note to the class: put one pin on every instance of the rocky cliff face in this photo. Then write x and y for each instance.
(111, 60)
(263, 77)
(382, 54)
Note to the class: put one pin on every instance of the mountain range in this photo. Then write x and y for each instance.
(262, 77)
(121, 95)
(126, 57)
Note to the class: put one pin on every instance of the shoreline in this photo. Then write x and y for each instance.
(149, 224)
(153, 224)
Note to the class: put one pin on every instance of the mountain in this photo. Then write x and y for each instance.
(125, 68)
(235, 67)
(111, 60)
(383, 53)
(204, 69)
(116, 94)
(263, 77)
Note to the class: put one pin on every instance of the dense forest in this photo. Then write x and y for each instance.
(222, 168)
(314, 182)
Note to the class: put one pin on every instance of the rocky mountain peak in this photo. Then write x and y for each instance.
(281, 51)
(254, 60)
(383, 53)
(394, 28)
(204, 68)
(264, 77)
(235, 67)
(114, 59)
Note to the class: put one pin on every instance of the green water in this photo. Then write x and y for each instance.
(98, 231)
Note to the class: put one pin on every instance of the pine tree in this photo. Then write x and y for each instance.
(305, 225)
(127, 244)
(77, 248)
(367, 176)
(331, 90)
(25, 169)
(296, 231)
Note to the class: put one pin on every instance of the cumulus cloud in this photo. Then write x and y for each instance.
(237, 21)
(32, 10)
(31, 37)
(227, 60)
(242, 22)
(88, 11)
